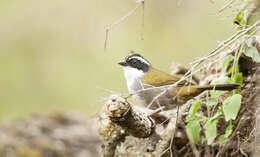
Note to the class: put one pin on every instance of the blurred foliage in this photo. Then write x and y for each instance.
(51, 52)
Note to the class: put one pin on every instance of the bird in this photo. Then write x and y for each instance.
(153, 88)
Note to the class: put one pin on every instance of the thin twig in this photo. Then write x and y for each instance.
(158, 103)
(106, 39)
(142, 26)
(228, 5)
(174, 132)
(122, 19)
(164, 151)
(228, 41)
(156, 111)
(155, 98)
(106, 90)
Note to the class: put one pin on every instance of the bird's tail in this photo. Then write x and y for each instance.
(194, 90)
(220, 86)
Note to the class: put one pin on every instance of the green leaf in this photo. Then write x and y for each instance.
(211, 130)
(212, 101)
(241, 17)
(228, 132)
(202, 139)
(253, 53)
(231, 106)
(194, 107)
(249, 42)
(216, 115)
(214, 94)
(225, 63)
(222, 80)
(193, 131)
(238, 78)
(193, 115)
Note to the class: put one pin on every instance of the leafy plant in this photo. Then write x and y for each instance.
(228, 132)
(211, 130)
(251, 51)
(198, 123)
(193, 127)
(193, 131)
(231, 106)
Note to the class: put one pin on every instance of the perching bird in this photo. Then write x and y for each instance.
(144, 82)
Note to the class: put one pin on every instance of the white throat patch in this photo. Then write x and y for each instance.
(133, 78)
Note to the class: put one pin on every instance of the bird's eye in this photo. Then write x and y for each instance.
(134, 61)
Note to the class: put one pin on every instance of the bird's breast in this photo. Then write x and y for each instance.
(134, 85)
(133, 79)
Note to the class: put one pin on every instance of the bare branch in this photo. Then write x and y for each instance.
(122, 19)
(227, 42)
(142, 26)
(228, 5)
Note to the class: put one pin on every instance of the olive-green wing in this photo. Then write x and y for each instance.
(159, 78)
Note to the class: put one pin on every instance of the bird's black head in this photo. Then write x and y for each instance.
(135, 60)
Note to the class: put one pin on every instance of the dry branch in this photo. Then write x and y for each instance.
(120, 112)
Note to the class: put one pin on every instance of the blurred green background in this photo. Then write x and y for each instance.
(52, 57)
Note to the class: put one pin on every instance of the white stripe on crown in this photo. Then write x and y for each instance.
(141, 59)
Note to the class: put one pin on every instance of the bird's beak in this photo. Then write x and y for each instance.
(122, 63)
